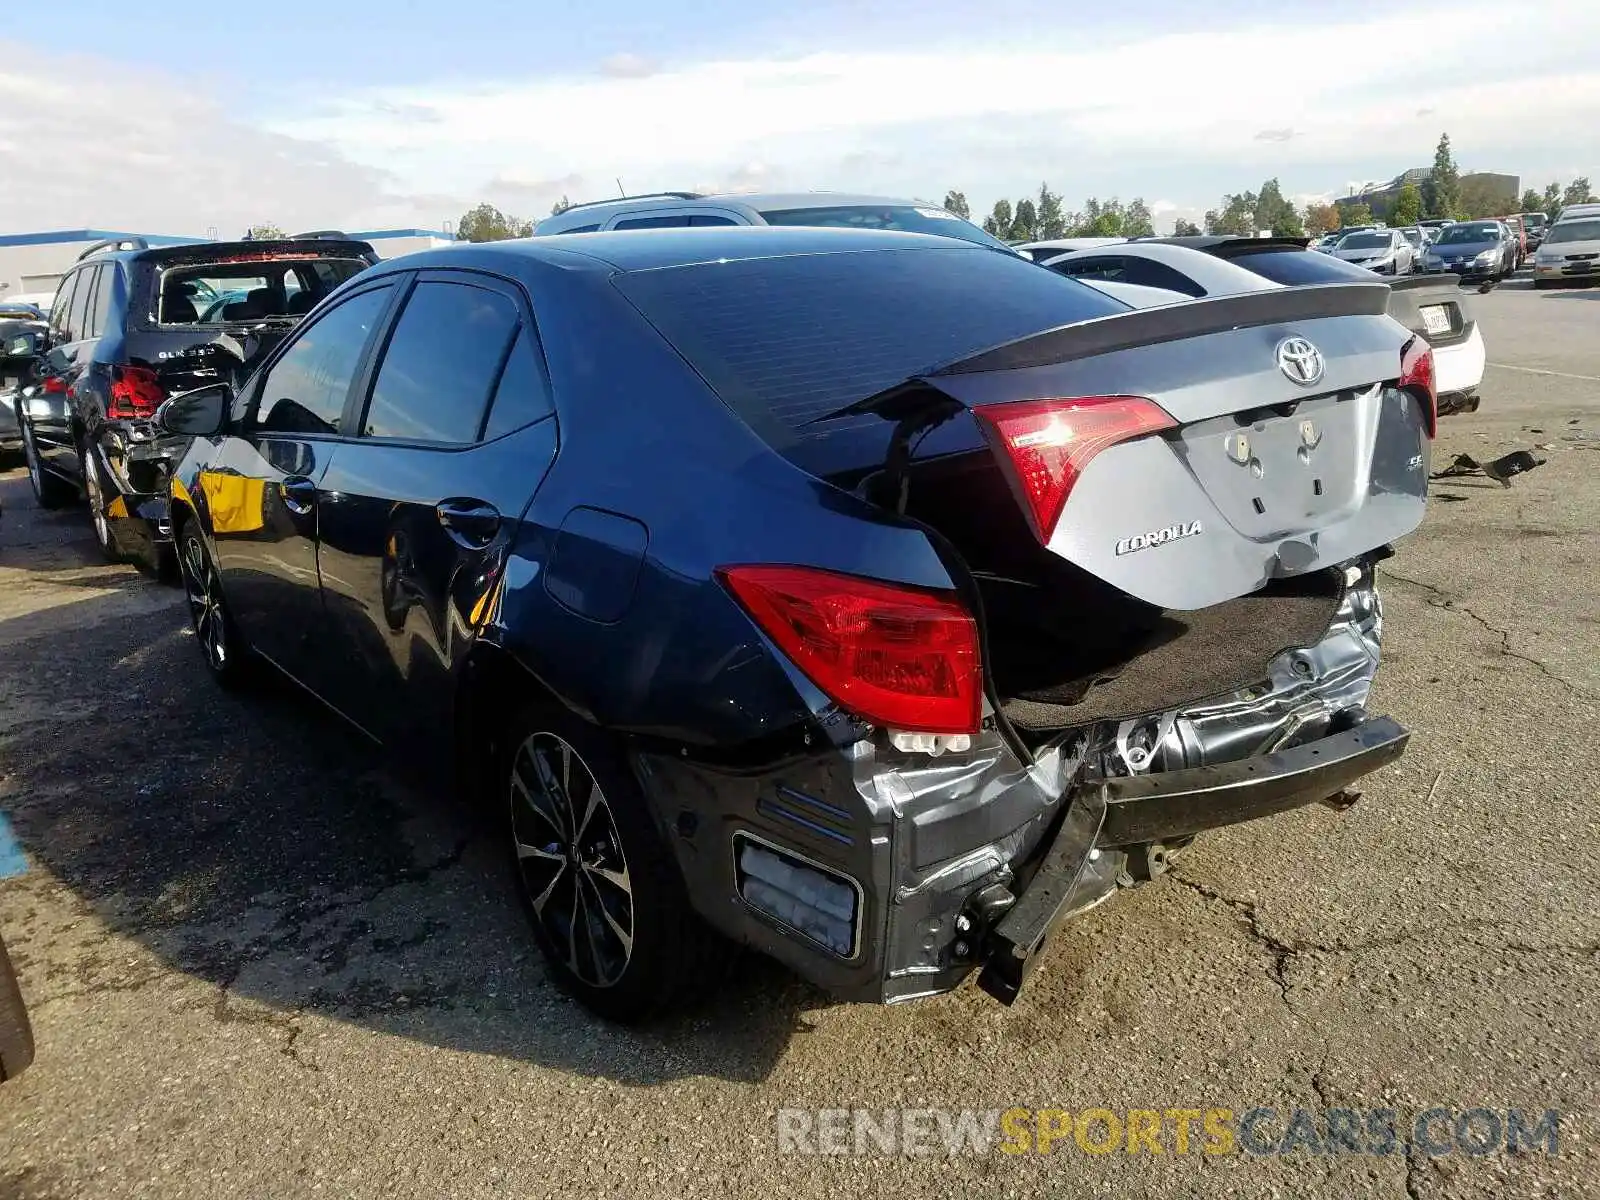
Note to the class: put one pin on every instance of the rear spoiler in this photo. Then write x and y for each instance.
(265, 248)
(1173, 322)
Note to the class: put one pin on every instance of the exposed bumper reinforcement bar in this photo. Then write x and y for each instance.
(1172, 804)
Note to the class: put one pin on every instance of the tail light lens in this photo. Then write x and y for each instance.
(893, 655)
(1416, 377)
(135, 393)
(54, 386)
(1046, 444)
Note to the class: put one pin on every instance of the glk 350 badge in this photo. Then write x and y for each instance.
(1158, 537)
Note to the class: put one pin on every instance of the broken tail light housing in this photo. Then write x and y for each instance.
(136, 393)
(893, 655)
(1046, 444)
(1416, 377)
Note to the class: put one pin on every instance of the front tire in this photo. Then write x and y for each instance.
(51, 491)
(598, 883)
(227, 657)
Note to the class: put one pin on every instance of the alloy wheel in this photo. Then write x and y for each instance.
(97, 501)
(204, 593)
(570, 859)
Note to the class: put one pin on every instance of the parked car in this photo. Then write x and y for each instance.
(125, 333)
(1570, 253)
(1483, 250)
(1039, 251)
(1217, 265)
(676, 210)
(1417, 239)
(1326, 242)
(1519, 235)
(1384, 251)
(22, 333)
(1534, 225)
(16, 1034)
(1578, 210)
(753, 578)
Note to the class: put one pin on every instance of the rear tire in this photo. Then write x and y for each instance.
(51, 491)
(599, 885)
(94, 491)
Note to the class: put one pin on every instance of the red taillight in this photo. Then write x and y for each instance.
(1048, 443)
(54, 386)
(893, 655)
(135, 392)
(1416, 375)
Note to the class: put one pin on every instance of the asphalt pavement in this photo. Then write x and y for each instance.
(260, 966)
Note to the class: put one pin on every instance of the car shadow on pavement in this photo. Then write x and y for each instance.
(255, 843)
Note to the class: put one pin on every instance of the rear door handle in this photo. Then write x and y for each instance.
(299, 494)
(472, 524)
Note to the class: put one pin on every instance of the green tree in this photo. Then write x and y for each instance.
(1025, 225)
(1237, 216)
(1137, 222)
(998, 222)
(560, 206)
(1182, 228)
(956, 202)
(1052, 218)
(1578, 192)
(1531, 202)
(1551, 200)
(486, 223)
(1441, 190)
(1321, 218)
(1354, 214)
(261, 233)
(1407, 209)
(1275, 213)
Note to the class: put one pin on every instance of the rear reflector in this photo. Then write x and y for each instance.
(135, 393)
(1046, 444)
(893, 655)
(819, 903)
(1416, 377)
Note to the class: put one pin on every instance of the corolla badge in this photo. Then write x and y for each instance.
(1299, 360)
(1158, 537)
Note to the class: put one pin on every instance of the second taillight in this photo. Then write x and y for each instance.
(1416, 377)
(1046, 444)
(896, 656)
(136, 393)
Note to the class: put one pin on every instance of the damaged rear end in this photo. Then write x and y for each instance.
(1160, 530)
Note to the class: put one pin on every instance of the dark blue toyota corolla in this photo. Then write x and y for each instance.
(872, 599)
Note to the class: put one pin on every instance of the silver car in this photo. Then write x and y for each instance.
(836, 210)
(1570, 253)
(1385, 251)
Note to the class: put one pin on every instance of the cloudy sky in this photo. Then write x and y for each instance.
(351, 113)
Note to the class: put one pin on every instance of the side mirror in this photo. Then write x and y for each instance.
(23, 345)
(200, 413)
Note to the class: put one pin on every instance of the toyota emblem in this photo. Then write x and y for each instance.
(1300, 360)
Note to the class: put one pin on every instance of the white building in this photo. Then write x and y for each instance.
(31, 264)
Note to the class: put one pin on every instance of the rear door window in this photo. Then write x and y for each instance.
(1147, 273)
(442, 362)
(78, 319)
(1101, 266)
(100, 311)
(306, 389)
(668, 222)
(61, 310)
(523, 394)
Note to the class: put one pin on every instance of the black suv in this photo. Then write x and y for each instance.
(132, 325)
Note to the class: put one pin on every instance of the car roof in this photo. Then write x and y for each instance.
(750, 203)
(1211, 242)
(654, 249)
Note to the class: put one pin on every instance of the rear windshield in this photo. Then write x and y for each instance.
(786, 340)
(1459, 234)
(221, 293)
(1364, 241)
(1573, 231)
(907, 218)
(1294, 267)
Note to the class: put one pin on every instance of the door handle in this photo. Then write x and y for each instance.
(472, 524)
(299, 494)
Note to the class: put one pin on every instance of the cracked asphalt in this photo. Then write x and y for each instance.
(259, 966)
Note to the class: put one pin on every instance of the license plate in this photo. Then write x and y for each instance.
(1435, 319)
(1581, 268)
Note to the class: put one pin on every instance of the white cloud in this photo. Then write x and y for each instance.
(1183, 115)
